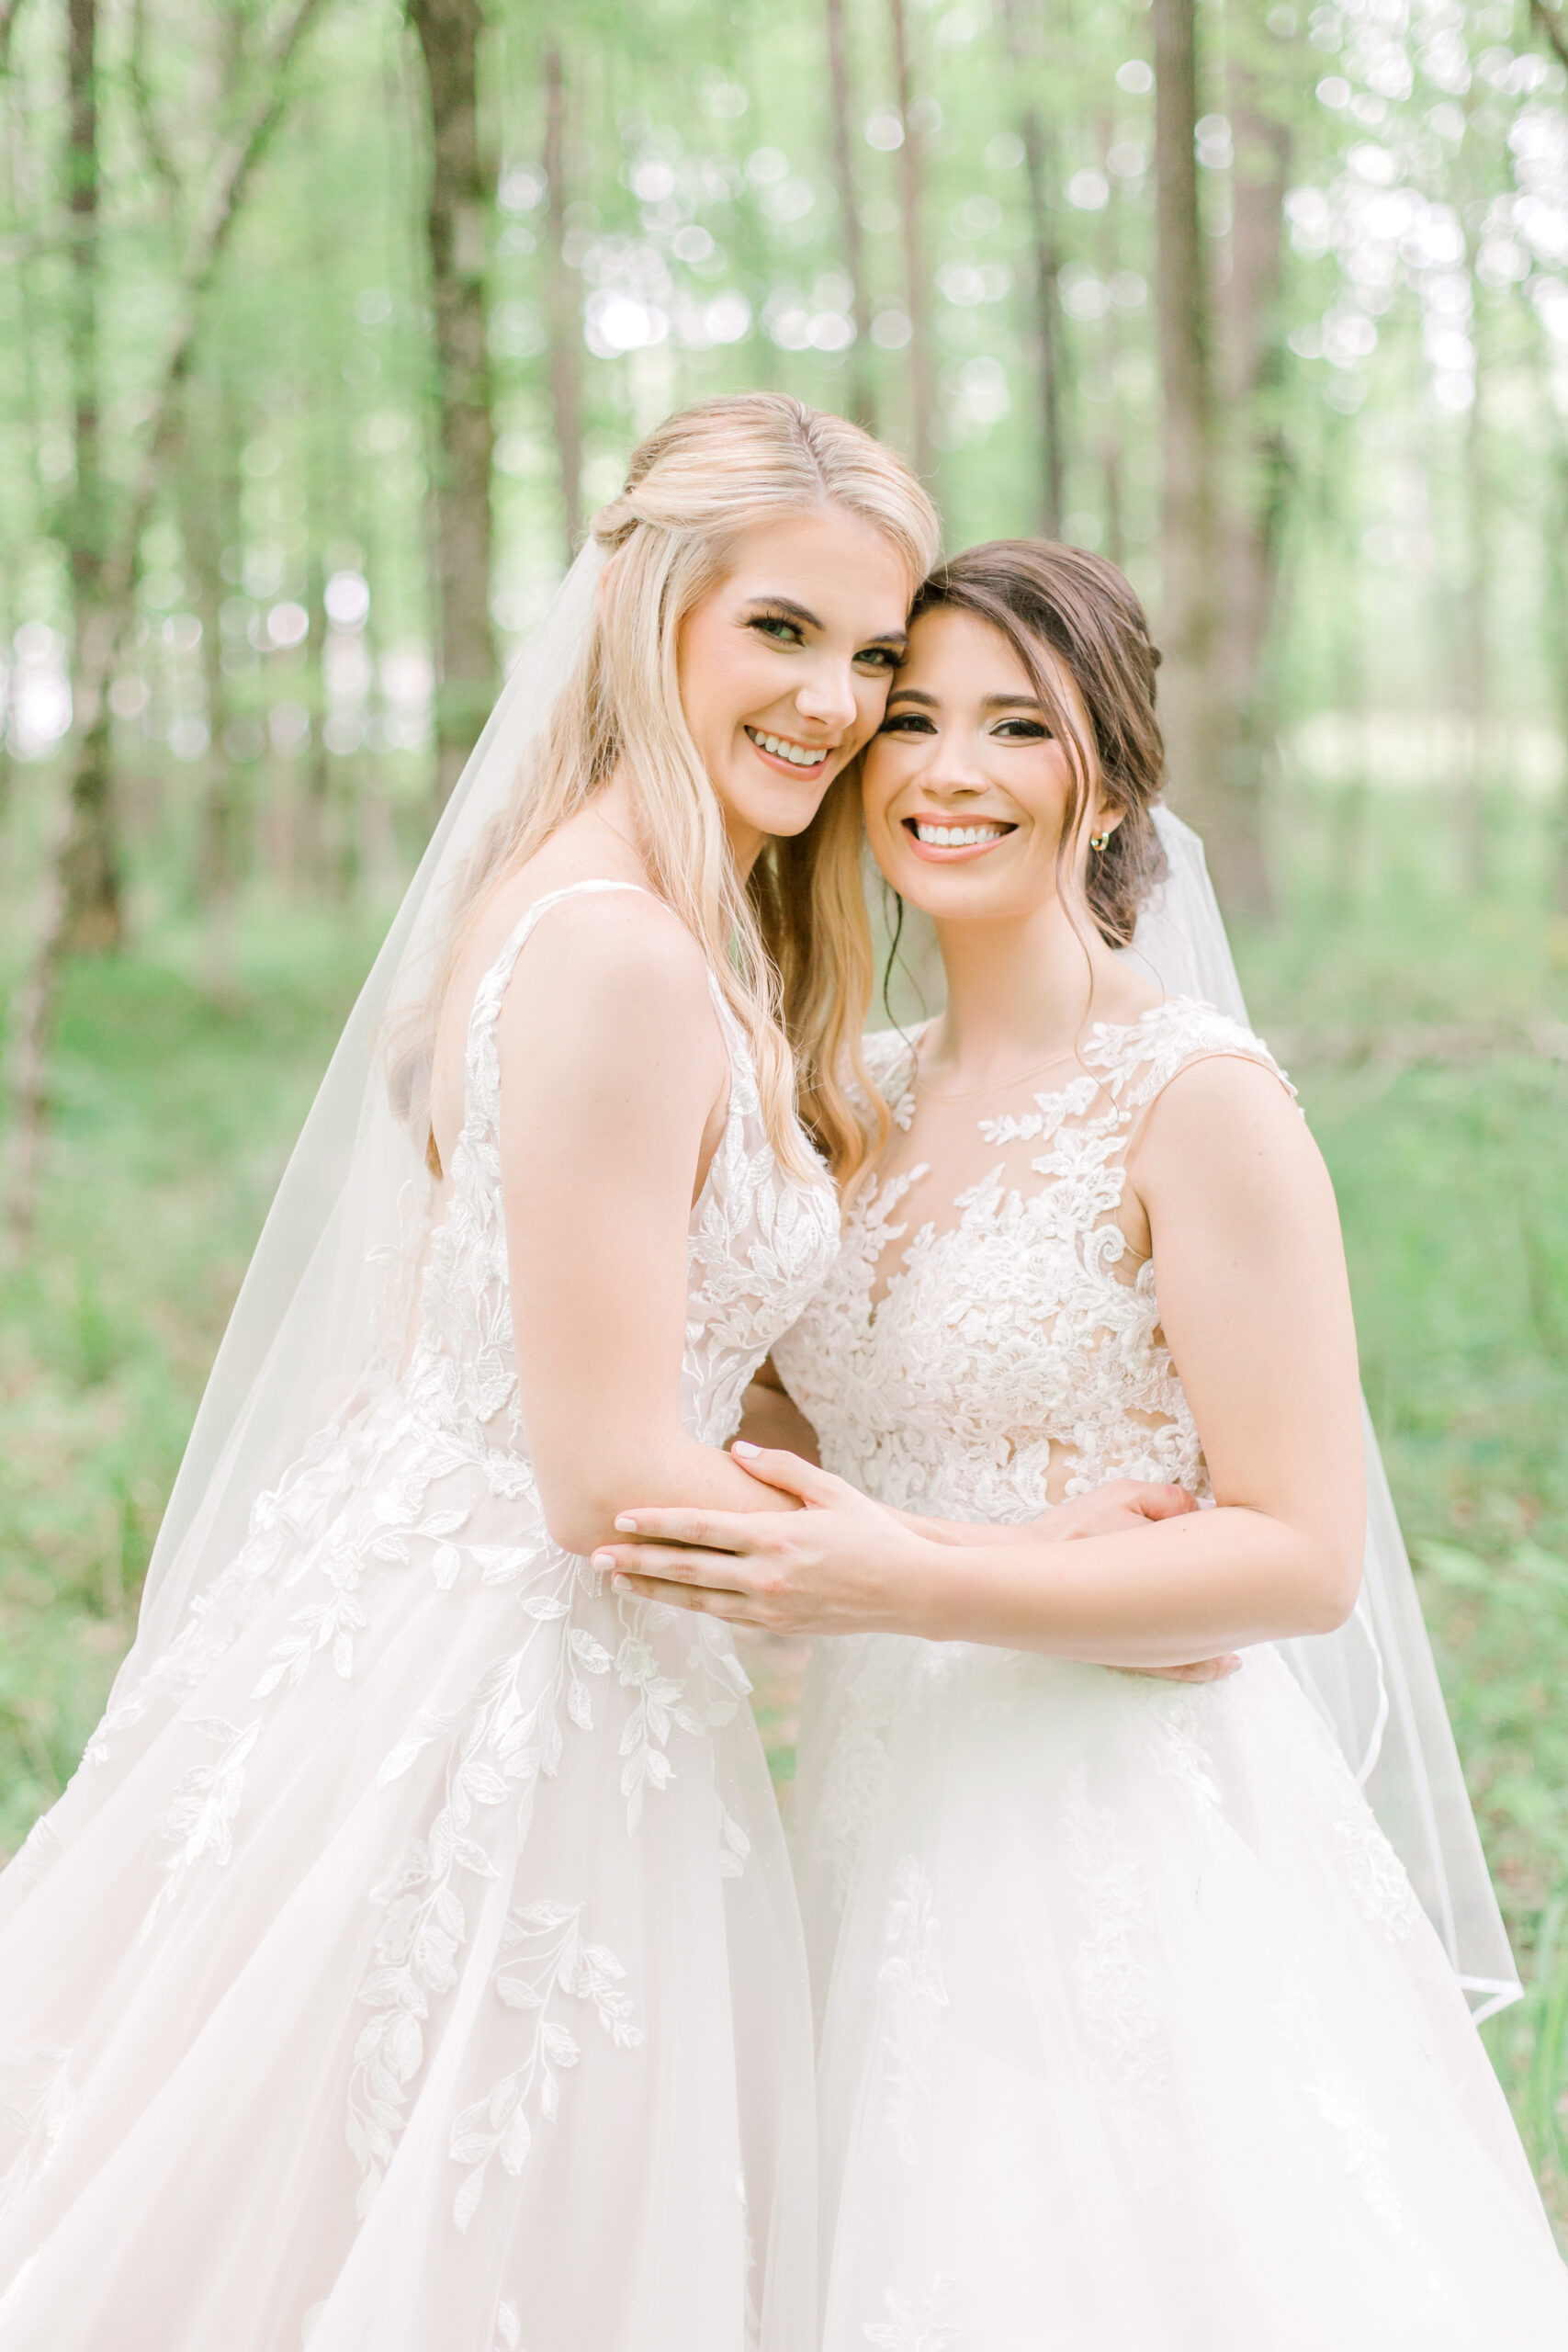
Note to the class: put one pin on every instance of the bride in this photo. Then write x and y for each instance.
(413, 1962)
(1132, 2031)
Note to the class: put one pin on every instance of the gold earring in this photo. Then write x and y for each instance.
(1099, 841)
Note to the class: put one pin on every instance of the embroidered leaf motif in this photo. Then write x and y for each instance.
(543, 1960)
(916, 2324)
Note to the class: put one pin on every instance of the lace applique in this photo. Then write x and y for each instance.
(35, 2103)
(857, 1768)
(1118, 1993)
(544, 1959)
(916, 2323)
(758, 1245)
(1183, 1724)
(1009, 1363)
(889, 1058)
(912, 1968)
(38, 1852)
(1377, 1879)
(1362, 2147)
(508, 2335)
(497, 1748)
(198, 1820)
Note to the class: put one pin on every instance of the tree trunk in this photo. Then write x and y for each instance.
(455, 223)
(1038, 168)
(911, 177)
(1192, 705)
(1251, 388)
(863, 399)
(1037, 163)
(221, 208)
(1555, 614)
(565, 317)
(209, 504)
(91, 862)
(1474, 647)
(1110, 450)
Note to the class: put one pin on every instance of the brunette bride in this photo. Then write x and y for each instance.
(413, 1962)
(1132, 2031)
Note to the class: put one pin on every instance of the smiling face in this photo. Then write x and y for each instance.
(966, 789)
(784, 667)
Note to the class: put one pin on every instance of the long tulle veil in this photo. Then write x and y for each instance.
(1374, 1680)
(323, 1313)
(323, 1304)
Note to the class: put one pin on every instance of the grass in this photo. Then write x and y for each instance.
(1418, 1016)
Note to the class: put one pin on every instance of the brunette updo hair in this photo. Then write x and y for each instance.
(1038, 594)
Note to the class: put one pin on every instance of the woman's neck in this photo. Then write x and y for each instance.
(1021, 992)
(618, 805)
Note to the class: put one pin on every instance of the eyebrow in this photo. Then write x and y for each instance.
(987, 702)
(808, 619)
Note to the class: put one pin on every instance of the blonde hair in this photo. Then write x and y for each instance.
(790, 945)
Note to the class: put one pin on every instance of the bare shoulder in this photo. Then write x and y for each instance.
(1226, 1123)
(609, 1018)
(1223, 1085)
(618, 955)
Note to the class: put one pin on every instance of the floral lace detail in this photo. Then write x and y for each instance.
(38, 1852)
(1363, 2148)
(35, 2103)
(1011, 1361)
(508, 2335)
(544, 1957)
(916, 2323)
(1118, 1995)
(912, 1969)
(199, 1821)
(757, 1249)
(1377, 1879)
(857, 1768)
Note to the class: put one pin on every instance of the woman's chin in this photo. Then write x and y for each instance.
(779, 816)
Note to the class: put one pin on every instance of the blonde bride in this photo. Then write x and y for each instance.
(413, 1961)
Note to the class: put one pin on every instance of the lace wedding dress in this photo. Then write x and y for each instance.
(1133, 2037)
(413, 1965)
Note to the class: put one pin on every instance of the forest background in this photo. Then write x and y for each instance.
(324, 324)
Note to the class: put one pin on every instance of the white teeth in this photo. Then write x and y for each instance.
(958, 836)
(795, 753)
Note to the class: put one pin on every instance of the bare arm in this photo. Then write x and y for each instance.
(1256, 1307)
(612, 1070)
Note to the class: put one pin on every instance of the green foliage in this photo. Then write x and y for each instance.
(176, 1113)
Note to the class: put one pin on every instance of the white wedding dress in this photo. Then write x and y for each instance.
(1134, 2036)
(412, 1965)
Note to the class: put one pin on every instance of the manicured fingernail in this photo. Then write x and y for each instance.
(620, 1584)
(603, 1561)
(626, 1523)
(744, 1445)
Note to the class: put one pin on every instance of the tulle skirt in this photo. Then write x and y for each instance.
(1133, 2037)
(413, 1962)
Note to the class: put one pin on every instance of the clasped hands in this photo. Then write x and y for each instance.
(833, 1560)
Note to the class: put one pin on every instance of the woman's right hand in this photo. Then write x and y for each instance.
(1114, 1509)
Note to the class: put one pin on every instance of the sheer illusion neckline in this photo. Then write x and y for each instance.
(1096, 1033)
(1086, 1100)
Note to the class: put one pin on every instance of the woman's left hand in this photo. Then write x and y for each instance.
(844, 1564)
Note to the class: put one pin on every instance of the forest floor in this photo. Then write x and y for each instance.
(1426, 1025)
